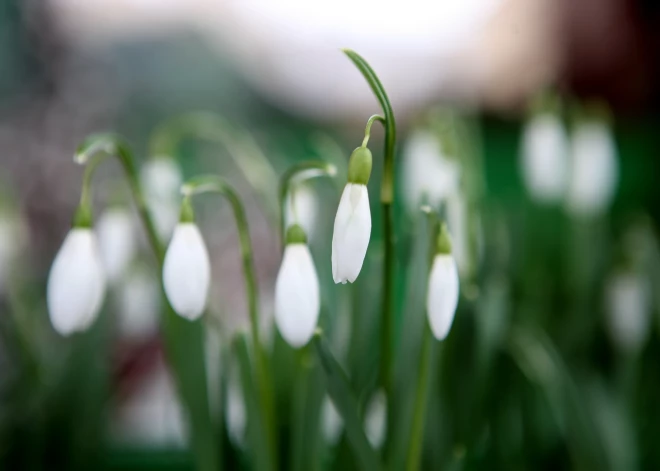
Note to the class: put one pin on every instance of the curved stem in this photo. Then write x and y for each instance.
(240, 145)
(215, 184)
(295, 175)
(386, 199)
(183, 339)
(367, 129)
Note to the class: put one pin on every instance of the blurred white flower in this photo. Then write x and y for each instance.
(429, 175)
(236, 417)
(115, 230)
(375, 419)
(594, 169)
(76, 283)
(544, 157)
(139, 302)
(187, 271)
(297, 299)
(628, 310)
(301, 208)
(350, 238)
(331, 422)
(153, 415)
(161, 181)
(442, 295)
(12, 241)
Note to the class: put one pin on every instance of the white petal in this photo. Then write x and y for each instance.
(12, 241)
(297, 301)
(545, 158)
(628, 309)
(375, 423)
(331, 422)
(76, 283)
(442, 296)
(350, 238)
(302, 209)
(116, 236)
(236, 417)
(161, 179)
(187, 271)
(594, 171)
(139, 302)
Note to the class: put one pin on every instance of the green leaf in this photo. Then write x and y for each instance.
(347, 406)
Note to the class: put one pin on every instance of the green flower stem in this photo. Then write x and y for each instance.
(240, 145)
(295, 175)
(386, 199)
(215, 184)
(421, 399)
(184, 340)
(367, 129)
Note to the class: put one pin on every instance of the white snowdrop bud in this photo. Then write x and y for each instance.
(331, 422)
(297, 299)
(161, 180)
(429, 176)
(301, 208)
(594, 169)
(375, 419)
(236, 416)
(628, 310)
(544, 158)
(76, 283)
(187, 271)
(116, 236)
(442, 294)
(139, 301)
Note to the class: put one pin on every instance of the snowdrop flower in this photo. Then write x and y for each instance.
(442, 295)
(236, 416)
(187, 268)
(594, 171)
(161, 179)
(11, 243)
(429, 176)
(331, 422)
(116, 241)
(297, 301)
(375, 421)
(352, 230)
(628, 310)
(76, 283)
(544, 157)
(138, 299)
(301, 208)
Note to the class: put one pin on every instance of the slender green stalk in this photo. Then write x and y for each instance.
(295, 175)
(184, 340)
(421, 399)
(215, 184)
(342, 397)
(242, 148)
(386, 199)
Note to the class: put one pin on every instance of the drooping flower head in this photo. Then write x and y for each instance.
(443, 288)
(187, 268)
(77, 281)
(297, 299)
(352, 230)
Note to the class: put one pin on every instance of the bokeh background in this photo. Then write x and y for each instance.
(531, 375)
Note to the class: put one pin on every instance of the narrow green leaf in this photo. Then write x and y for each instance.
(338, 387)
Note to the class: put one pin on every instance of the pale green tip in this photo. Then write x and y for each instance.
(359, 166)
(187, 213)
(82, 218)
(296, 235)
(444, 241)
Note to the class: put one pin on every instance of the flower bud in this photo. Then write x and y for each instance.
(628, 309)
(331, 422)
(76, 283)
(352, 230)
(297, 299)
(544, 153)
(301, 208)
(359, 166)
(375, 419)
(161, 179)
(116, 236)
(187, 271)
(442, 294)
